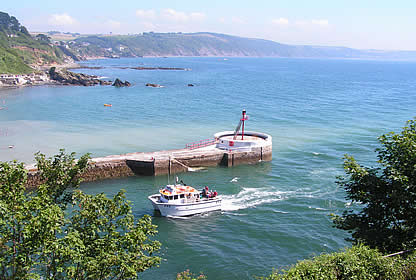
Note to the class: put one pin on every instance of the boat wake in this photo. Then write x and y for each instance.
(178, 217)
(235, 179)
(250, 197)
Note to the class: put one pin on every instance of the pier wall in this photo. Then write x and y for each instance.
(256, 155)
(164, 162)
(106, 170)
(94, 172)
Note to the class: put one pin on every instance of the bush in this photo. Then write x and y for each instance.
(57, 232)
(359, 262)
(187, 275)
(385, 195)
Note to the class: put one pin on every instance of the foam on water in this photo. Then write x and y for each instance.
(251, 197)
(235, 179)
(178, 217)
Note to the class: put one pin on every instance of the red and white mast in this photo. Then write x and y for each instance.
(243, 119)
(241, 122)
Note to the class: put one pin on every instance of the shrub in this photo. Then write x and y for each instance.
(187, 275)
(359, 262)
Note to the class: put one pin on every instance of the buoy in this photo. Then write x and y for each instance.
(108, 105)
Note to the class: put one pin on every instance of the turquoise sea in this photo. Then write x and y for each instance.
(276, 212)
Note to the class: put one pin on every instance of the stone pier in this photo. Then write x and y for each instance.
(220, 152)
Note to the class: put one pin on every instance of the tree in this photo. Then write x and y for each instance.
(103, 242)
(60, 173)
(357, 262)
(385, 217)
(24, 30)
(43, 38)
(28, 224)
(56, 233)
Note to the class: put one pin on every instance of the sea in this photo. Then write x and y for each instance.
(275, 213)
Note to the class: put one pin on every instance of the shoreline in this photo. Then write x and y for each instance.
(40, 76)
(23, 80)
(60, 76)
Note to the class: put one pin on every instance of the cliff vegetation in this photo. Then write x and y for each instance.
(20, 53)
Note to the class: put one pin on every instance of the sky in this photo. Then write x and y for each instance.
(361, 24)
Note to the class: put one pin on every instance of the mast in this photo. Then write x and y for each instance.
(244, 118)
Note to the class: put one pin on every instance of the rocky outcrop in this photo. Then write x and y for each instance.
(153, 85)
(70, 78)
(119, 83)
(158, 68)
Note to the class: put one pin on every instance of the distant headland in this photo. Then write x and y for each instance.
(22, 52)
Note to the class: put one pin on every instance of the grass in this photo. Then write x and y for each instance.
(10, 63)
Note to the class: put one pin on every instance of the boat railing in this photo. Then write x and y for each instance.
(201, 144)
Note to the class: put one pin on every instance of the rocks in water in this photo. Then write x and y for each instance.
(105, 83)
(119, 83)
(157, 68)
(70, 78)
(153, 85)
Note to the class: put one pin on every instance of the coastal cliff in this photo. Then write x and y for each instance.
(213, 44)
(22, 53)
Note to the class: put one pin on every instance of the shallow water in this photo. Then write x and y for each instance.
(275, 212)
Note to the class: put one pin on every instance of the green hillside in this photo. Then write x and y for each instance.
(20, 53)
(213, 44)
(176, 44)
(12, 63)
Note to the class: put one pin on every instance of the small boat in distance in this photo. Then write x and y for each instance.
(181, 200)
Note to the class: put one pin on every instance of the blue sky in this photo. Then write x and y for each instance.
(363, 24)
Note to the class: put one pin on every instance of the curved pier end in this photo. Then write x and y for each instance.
(224, 150)
(251, 147)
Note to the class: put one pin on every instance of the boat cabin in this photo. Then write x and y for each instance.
(179, 194)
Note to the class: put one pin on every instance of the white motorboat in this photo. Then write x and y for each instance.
(182, 200)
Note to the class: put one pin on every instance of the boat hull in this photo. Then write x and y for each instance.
(186, 209)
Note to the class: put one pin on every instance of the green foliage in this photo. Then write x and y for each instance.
(105, 241)
(54, 233)
(187, 275)
(10, 63)
(60, 172)
(386, 215)
(18, 49)
(27, 224)
(10, 24)
(359, 262)
(43, 37)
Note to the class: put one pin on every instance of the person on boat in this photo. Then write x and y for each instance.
(205, 192)
(212, 194)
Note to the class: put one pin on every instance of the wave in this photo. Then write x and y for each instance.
(235, 179)
(251, 197)
(178, 217)
(280, 212)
